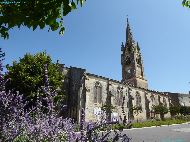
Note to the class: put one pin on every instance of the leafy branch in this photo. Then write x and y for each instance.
(186, 3)
(35, 13)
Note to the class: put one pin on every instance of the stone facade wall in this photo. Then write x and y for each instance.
(121, 105)
(136, 114)
(108, 88)
(178, 99)
(91, 107)
(174, 99)
(79, 89)
(74, 91)
(119, 99)
(184, 99)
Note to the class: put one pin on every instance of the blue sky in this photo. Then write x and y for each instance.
(94, 33)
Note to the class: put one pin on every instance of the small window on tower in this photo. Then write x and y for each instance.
(138, 60)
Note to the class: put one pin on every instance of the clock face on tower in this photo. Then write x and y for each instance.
(129, 72)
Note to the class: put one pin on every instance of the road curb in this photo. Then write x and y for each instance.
(157, 126)
(147, 127)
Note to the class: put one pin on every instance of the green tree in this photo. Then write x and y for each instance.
(108, 108)
(27, 76)
(186, 3)
(35, 13)
(174, 110)
(184, 110)
(160, 109)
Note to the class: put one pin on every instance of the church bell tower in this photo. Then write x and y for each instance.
(132, 63)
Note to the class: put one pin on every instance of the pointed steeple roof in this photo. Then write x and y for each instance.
(129, 35)
(138, 48)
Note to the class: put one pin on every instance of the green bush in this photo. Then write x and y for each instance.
(174, 110)
(182, 117)
(21, 138)
(118, 126)
(185, 110)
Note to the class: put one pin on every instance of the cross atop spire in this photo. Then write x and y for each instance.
(129, 35)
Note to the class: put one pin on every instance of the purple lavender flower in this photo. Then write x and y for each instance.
(33, 125)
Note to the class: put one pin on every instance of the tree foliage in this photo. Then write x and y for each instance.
(27, 75)
(160, 109)
(34, 13)
(108, 108)
(186, 3)
(174, 110)
(184, 110)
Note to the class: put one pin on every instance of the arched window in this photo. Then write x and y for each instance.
(164, 102)
(119, 96)
(152, 98)
(98, 93)
(138, 99)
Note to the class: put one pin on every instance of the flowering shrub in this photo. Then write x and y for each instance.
(18, 125)
(11, 111)
(39, 124)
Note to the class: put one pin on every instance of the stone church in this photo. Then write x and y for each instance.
(130, 98)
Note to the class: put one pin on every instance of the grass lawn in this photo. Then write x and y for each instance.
(158, 123)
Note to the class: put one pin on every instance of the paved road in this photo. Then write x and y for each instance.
(174, 133)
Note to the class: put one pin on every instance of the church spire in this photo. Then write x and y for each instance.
(129, 35)
(131, 61)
